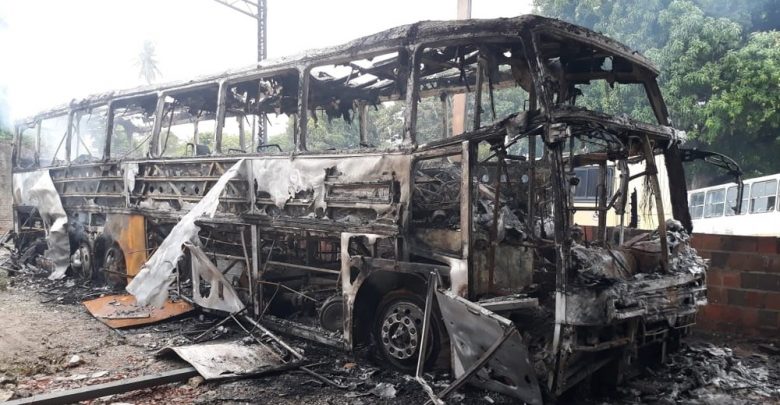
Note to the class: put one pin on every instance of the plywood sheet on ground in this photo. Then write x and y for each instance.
(121, 311)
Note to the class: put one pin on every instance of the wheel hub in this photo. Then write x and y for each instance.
(401, 330)
(82, 261)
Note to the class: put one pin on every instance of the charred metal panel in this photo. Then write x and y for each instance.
(210, 289)
(476, 332)
(37, 190)
(150, 286)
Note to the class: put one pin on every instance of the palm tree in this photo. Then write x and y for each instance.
(147, 63)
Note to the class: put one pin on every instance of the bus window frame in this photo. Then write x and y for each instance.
(301, 128)
(224, 85)
(156, 147)
(708, 213)
(76, 114)
(728, 212)
(413, 84)
(769, 209)
(693, 206)
(110, 122)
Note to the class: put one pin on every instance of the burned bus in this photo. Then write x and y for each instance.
(417, 200)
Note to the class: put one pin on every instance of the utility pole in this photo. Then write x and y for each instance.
(257, 10)
(459, 100)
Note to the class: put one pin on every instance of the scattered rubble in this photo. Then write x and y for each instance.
(702, 372)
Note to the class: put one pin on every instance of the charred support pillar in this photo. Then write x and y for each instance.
(222, 95)
(159, 116)
(652, 173)
(468, 161)
(678, 193)
(412, 95)
(363, 121)
(602, 189)
(303, 104)
(69, 135)
(562, 249)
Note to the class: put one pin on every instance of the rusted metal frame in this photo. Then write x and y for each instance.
(159, 114)
(220, 119)
(603, 204)
(539, 74)
(659, 202)
(496, 213)
(302, 267)
(363, 122)
(270, 334)
(249, 262)
(531, 182)
(480, 83)
(468, 162)
(678, 190)
(443, 96)
(241, 132)
(372, 264)
(69, 135)
(433, 282)
(301, 125)
(302, 331)
(656, 99)
(38, 143)
(562, 252)
(412, 96)
(110, 388)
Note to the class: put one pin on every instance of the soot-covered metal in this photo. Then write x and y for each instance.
(338, 246)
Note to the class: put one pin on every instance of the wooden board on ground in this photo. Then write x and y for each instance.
(121, 311)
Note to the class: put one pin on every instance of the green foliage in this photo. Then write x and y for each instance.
(720, 82)
(741, 116)
(5, 134)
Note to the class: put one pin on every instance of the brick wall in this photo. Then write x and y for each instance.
(743, 284)
(6, 200)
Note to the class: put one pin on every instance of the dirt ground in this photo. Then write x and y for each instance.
(43, 325)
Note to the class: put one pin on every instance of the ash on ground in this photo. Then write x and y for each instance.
(45, 326)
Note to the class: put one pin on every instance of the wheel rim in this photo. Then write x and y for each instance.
(402, 329)
(114, 267)
(84, 261)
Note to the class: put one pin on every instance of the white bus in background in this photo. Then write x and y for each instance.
(714, 209)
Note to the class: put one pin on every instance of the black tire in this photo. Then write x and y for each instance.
(114, 270)
(84, 267)
(397, 330)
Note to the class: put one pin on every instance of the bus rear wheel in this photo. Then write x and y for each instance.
(398, 328)
(114, 267)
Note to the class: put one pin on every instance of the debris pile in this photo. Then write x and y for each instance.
(705, 373)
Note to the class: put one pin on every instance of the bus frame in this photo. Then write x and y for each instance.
(523, 304)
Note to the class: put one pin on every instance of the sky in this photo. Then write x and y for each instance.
(52, 51)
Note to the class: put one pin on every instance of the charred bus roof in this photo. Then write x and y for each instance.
(582, 46)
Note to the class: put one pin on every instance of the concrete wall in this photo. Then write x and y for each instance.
(743, 284)
(6, 198)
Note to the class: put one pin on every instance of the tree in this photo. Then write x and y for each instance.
(717, 79)
(741, 116)
(147, 63)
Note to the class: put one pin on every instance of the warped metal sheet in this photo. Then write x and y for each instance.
(474, 332)
(151, 284)
(37, 189)
(221, 295)
(121, 311)
(227, 359)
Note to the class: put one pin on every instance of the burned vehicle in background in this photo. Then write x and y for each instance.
(419, 200)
